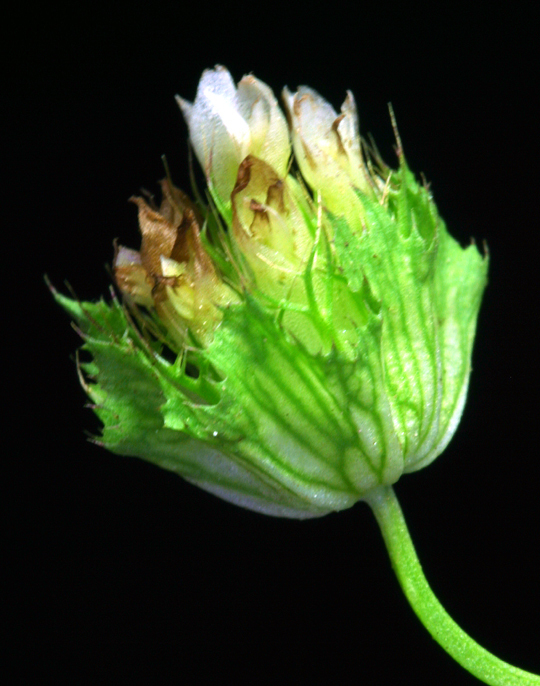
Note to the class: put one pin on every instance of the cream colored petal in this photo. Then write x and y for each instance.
(311, 119)
(315, 115)
(349, 134)
(348, 127)
(171, 268)
(268, 126)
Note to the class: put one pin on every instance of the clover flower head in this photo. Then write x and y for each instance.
(301, 338)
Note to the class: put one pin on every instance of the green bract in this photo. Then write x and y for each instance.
(321, 340)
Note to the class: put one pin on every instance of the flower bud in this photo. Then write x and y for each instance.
(299, 346)
(227, 123)
(327, 147)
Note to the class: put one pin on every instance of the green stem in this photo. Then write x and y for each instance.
(437, 621)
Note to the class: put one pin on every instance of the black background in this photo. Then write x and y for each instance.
(122, 573)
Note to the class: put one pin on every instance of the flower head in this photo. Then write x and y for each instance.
(304, 343)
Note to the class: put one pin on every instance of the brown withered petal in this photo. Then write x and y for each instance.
(187, 240)
(175, 202)
(164, 230)
(260, 207)
(158, 237)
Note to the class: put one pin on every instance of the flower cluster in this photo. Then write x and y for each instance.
(321, 320)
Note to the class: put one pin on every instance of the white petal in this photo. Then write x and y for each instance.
(186, 107)
(125, 257)
(218, 133)
(217, 80)
(234, 124)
